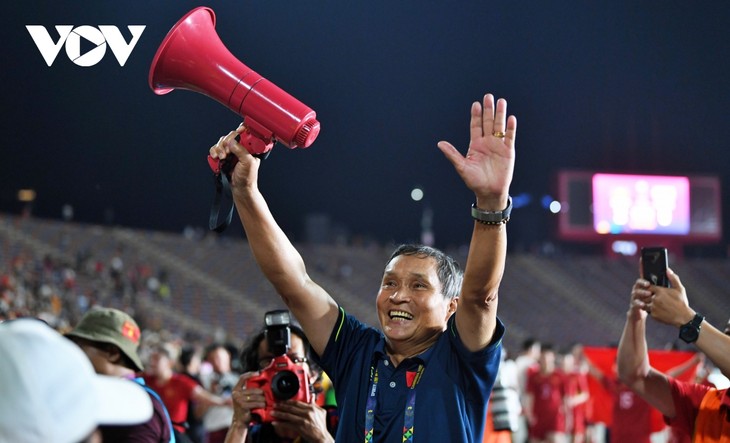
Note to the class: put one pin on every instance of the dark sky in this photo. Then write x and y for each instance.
(618, 86)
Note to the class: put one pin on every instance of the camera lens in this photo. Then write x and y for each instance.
(284, 385)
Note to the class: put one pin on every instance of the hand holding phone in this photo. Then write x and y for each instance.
(654, 264)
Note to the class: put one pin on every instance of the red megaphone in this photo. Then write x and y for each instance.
(193, 57)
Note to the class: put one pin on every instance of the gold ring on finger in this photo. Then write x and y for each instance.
(498, 134)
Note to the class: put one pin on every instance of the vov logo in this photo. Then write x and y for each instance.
(70, 38)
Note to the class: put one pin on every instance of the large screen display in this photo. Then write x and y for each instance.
(597, 205)
(640, 204)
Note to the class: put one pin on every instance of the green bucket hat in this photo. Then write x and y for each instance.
(108, 325)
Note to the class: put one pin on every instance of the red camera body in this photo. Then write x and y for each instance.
(281, 380)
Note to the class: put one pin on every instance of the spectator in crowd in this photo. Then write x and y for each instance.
(110, 339)
(176, 390)
(671, 306)
(576, 384)
(504, 404)
(50, 393)
(546, 400)
(525, 362)
(190, 361)
(294, 420)
(220, 382)
(421, 344)
(630, 414)
(699, 410)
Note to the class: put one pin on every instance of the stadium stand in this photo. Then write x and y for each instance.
(211, 288)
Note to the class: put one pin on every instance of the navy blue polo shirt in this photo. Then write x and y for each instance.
(451, 394)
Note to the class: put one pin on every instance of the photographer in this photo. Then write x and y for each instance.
(439, 338)
(293, 419)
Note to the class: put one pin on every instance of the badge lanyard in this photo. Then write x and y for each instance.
(408, 415)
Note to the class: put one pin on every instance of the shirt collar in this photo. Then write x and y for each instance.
(380, 353)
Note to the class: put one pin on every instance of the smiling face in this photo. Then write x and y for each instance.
(411, 306)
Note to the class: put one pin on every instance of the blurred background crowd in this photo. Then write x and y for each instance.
(196, 295)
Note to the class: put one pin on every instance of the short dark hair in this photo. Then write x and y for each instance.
(187, 354)
(448, 270)
(213, 347)
(528, 343)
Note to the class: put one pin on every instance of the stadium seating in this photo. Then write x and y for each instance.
(212, 287)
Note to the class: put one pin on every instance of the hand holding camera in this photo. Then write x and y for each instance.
(246, 399)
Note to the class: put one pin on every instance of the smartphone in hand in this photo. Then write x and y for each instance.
(654, 263)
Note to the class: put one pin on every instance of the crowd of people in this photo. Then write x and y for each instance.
(576, 395)
(427, 373)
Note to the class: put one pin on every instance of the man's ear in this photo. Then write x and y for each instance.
(114, 355)
(453, 304)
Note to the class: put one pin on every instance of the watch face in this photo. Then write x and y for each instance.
(689, 333)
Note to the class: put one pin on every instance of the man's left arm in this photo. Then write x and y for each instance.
(487, 170)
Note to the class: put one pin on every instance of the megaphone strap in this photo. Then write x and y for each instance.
(222, 187)
(222, 171)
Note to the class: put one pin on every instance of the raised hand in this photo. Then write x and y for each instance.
(488, 165)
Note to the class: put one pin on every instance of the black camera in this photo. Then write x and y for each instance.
(282, 379)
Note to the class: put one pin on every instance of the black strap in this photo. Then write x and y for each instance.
(222, 188)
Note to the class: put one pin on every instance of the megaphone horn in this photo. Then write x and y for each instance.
(193, 57)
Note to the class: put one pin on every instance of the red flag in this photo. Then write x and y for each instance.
(604, 359)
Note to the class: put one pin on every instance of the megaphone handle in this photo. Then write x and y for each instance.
(226, 166)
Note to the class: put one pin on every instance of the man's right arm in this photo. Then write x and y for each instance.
(632, 359)
(280, 262)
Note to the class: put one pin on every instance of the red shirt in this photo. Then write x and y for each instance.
(175, 394)
(687, 400)
(577, 384)
(548, 393)
(631, 414)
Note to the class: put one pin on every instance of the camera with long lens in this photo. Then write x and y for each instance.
(282, 379)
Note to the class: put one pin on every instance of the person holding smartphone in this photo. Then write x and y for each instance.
(700, 411)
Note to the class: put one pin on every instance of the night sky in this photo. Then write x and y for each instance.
(620, 86)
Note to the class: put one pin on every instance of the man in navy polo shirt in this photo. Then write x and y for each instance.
(428, 372)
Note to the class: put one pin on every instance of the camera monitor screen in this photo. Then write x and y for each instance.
(640, 204)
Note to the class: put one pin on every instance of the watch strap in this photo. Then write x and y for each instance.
(492, 217)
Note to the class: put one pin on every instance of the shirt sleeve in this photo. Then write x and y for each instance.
(479, 367)
(348, 335)
(687, 398)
